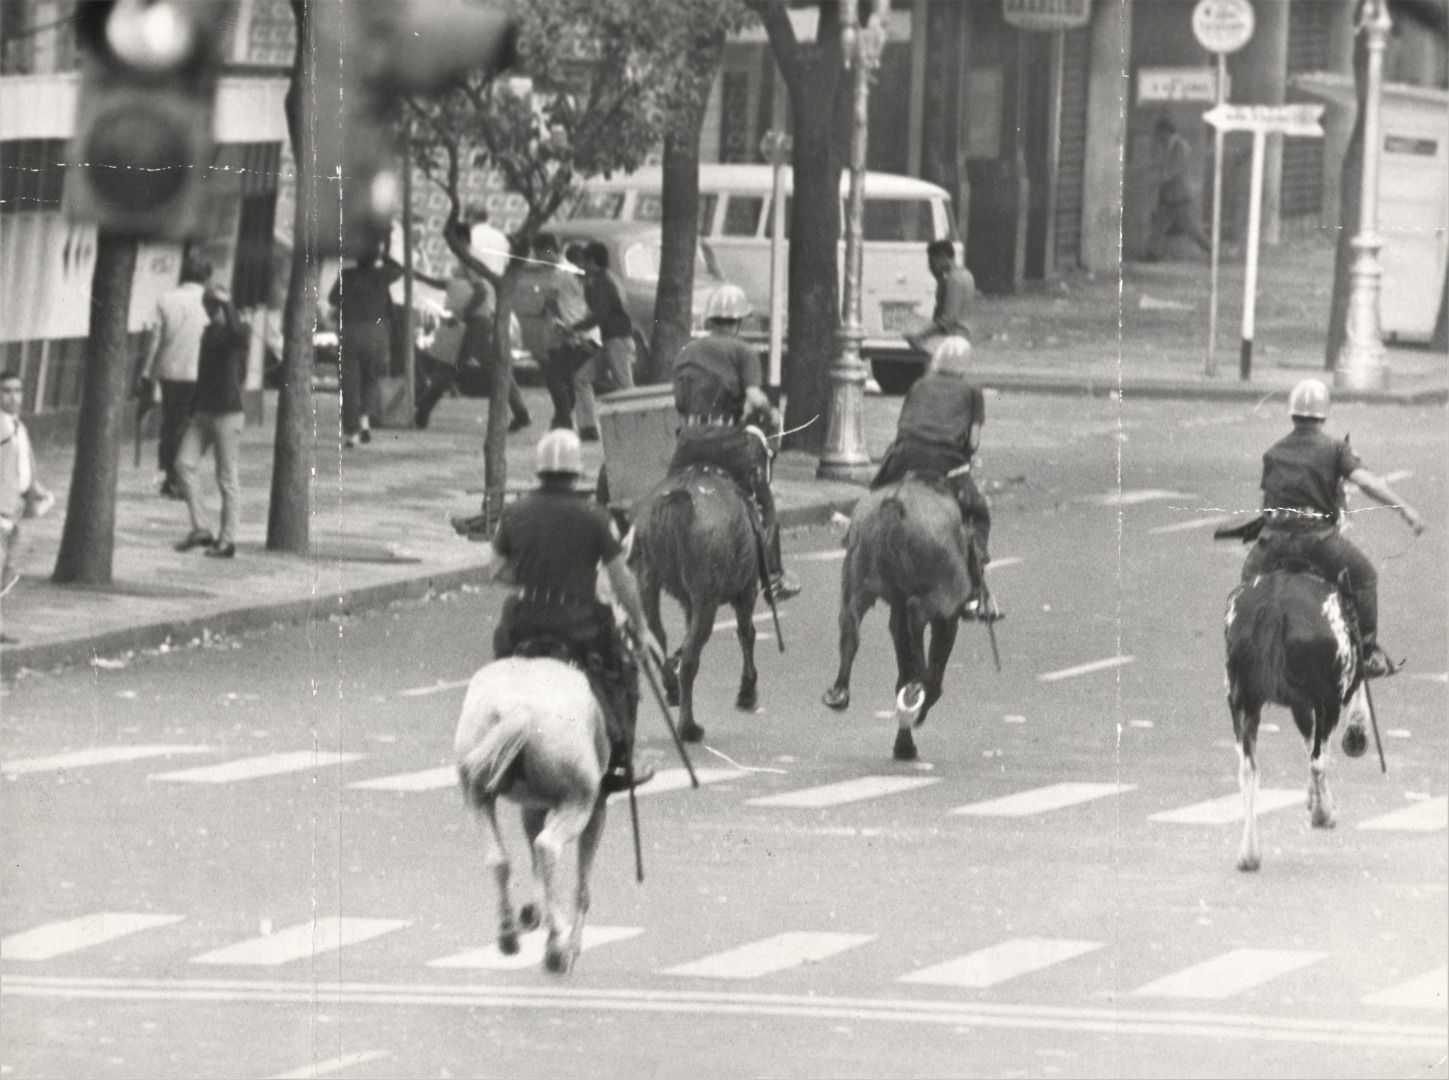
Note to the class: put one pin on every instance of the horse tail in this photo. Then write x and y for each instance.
(486, 770)
(663, 541)
(1258, 669)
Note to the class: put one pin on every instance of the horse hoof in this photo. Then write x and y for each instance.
(837, 699)
(905, 748)
(691, 732)
(1249, 863)
(1354, 743)
(747, 699)
(529, 916)
(508, 943)
(1323, 820)
(557, 961)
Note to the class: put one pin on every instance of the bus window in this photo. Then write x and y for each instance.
(899, 220)
(649, 206)
(742, 215)
(598, 206)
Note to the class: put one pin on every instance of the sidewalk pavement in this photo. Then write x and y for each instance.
(381, 516)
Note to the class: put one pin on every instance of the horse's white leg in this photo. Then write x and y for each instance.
(588, 847)
(562, 824)
(744, 607)
(1245, 727)
(1320, 802)
(533, 818)
(495, 857)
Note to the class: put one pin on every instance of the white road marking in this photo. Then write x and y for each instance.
(436, 688)
(95, 755)
(444, 776)
(1431, 815)
(1229, 808)
(772, 954)
(331, 1065)
(846, 791)
(1427, 991)
(677, 779)
(1003, 563)
(1041, 800)
(1132, 498)
(1230, 974)
(1271, 729)
(1000, 963)
(1086, 669)
(1398, 733)
(530, 949)
(72, 935)
(1112, 1023)
(729, 624)
(1185, 526)
(254, 768)
(1433, 676)
(831, 555)
(298, 942)
(1139, 723)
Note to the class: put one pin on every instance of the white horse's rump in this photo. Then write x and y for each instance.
(532, 732)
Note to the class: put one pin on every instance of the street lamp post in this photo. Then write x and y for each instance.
(845, 456)
(1360, 364)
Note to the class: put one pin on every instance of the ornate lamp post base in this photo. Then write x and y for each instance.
(1360, 364)
(845, 456)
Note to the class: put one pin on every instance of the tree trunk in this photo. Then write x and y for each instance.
(495, 442)
(1349, 207)
(88, 537)
(679, 236)
(290, 511)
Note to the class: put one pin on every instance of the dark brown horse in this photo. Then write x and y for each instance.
(907, 546)
(694, 538)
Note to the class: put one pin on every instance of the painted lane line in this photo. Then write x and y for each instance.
(729, 624)
(1086, 669)
(1184, 526)
(1043, 799)
(846, 791)
(772, 954)
(1229, 808)
(1132, 498)
(299, 942)
(72, 935)
(1000, 963)
(530, 950)
(1230, 974)
(1431, 815)
(677, 779)
(254, 768)
(444, 776)
(95, 755)
(1113, 1023)
(1002, 563)
(331, 1065)
(1432, 676)
(437, 688)
(1428, 991)
(832, 555)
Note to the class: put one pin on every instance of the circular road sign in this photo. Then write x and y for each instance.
(1222, 26)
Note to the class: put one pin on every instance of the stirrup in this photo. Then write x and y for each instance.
(618, 779)
(784, 586)
(973, 609)
(1377, 665)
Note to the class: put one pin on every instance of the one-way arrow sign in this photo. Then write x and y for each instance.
(1300, 120)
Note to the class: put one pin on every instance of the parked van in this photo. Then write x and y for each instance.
(902, 216)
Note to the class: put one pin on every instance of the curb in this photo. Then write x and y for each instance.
(1200, 391)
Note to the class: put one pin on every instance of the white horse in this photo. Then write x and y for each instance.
(532, 732)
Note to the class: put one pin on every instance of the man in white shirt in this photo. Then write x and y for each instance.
(490, 244)
(21, 495)
(171, 358)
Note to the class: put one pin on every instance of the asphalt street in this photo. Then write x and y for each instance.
(248, 857)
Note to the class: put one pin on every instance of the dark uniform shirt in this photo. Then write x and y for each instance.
(711, 376)
(1305, 470)
(941, 410)
(556, 540)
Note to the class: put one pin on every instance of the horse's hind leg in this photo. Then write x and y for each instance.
(701, 625)
(1245, 730)
(1320, 801)
(744, 606)
(900, 623)
(528, 915)
(649, 599)
(943, 640)
(495, 857)
(562, 824)
(588, 846)
(853, 606)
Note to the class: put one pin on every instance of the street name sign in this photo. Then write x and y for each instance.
(1047, 14)
(1177, 84)
(1222, 26)
(1299, 120)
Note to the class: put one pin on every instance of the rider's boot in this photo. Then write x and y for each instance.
(783, 584)
(981, 604)
(619, 708)
(621, 775)
(1376, 662)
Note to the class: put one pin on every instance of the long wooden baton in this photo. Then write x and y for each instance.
(1374, 722)
(987, 617)
(642, 655)
(764, 569)
(634, 818)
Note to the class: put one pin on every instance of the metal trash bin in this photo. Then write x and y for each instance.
(638, 429)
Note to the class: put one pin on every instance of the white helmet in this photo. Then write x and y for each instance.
(1309, 399)
(952, 357)
(727, 302)
(560, 452)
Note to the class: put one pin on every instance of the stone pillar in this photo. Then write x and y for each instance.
(1109, 43)
(1261, 78)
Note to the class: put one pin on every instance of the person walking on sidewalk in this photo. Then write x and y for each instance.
(21, 493)
(363, 303)
(175, 344)
(565, 351)
(1175, 213)
(608, 314)
(216, 423)
(955, 298)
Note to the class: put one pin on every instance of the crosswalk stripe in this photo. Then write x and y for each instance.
(444, 776)
(1184, 526)
(999, 963)
(1229, 974)
(830, 555)
(729, 624)
(666, 780)
(772, 954)
(1430, 815)
(1427, 991)
(331, 1065)
(1042, 799)
(437, 688)
(1229, 808)
(530, 949)
(1132, 498)
(1085, 669)
(254, 768)
(846, 791)
(72, 935)
(306, 939)
(1003, 563)
(95, 755)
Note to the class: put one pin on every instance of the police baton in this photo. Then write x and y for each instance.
(634, 818)
(644, 659)
(1374, 723)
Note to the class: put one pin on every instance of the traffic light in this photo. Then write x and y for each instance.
(143, 131)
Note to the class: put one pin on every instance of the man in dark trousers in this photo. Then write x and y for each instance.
(1176, 212)
(550, 545)
(364, 337)
(171, 358)
(607, 312)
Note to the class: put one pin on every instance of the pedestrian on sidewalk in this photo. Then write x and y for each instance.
(174, 346)
(363, 304)
(586, 413)
(216, 423)
(955, 298)
(608, 314)
(564, 351)
(1176, 211)
(21, 493)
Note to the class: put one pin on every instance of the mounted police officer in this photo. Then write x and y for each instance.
(938, 432)
(716, 390)
(550, 544)
(1303, 475)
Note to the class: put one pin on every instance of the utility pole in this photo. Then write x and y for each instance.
(845, 456)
